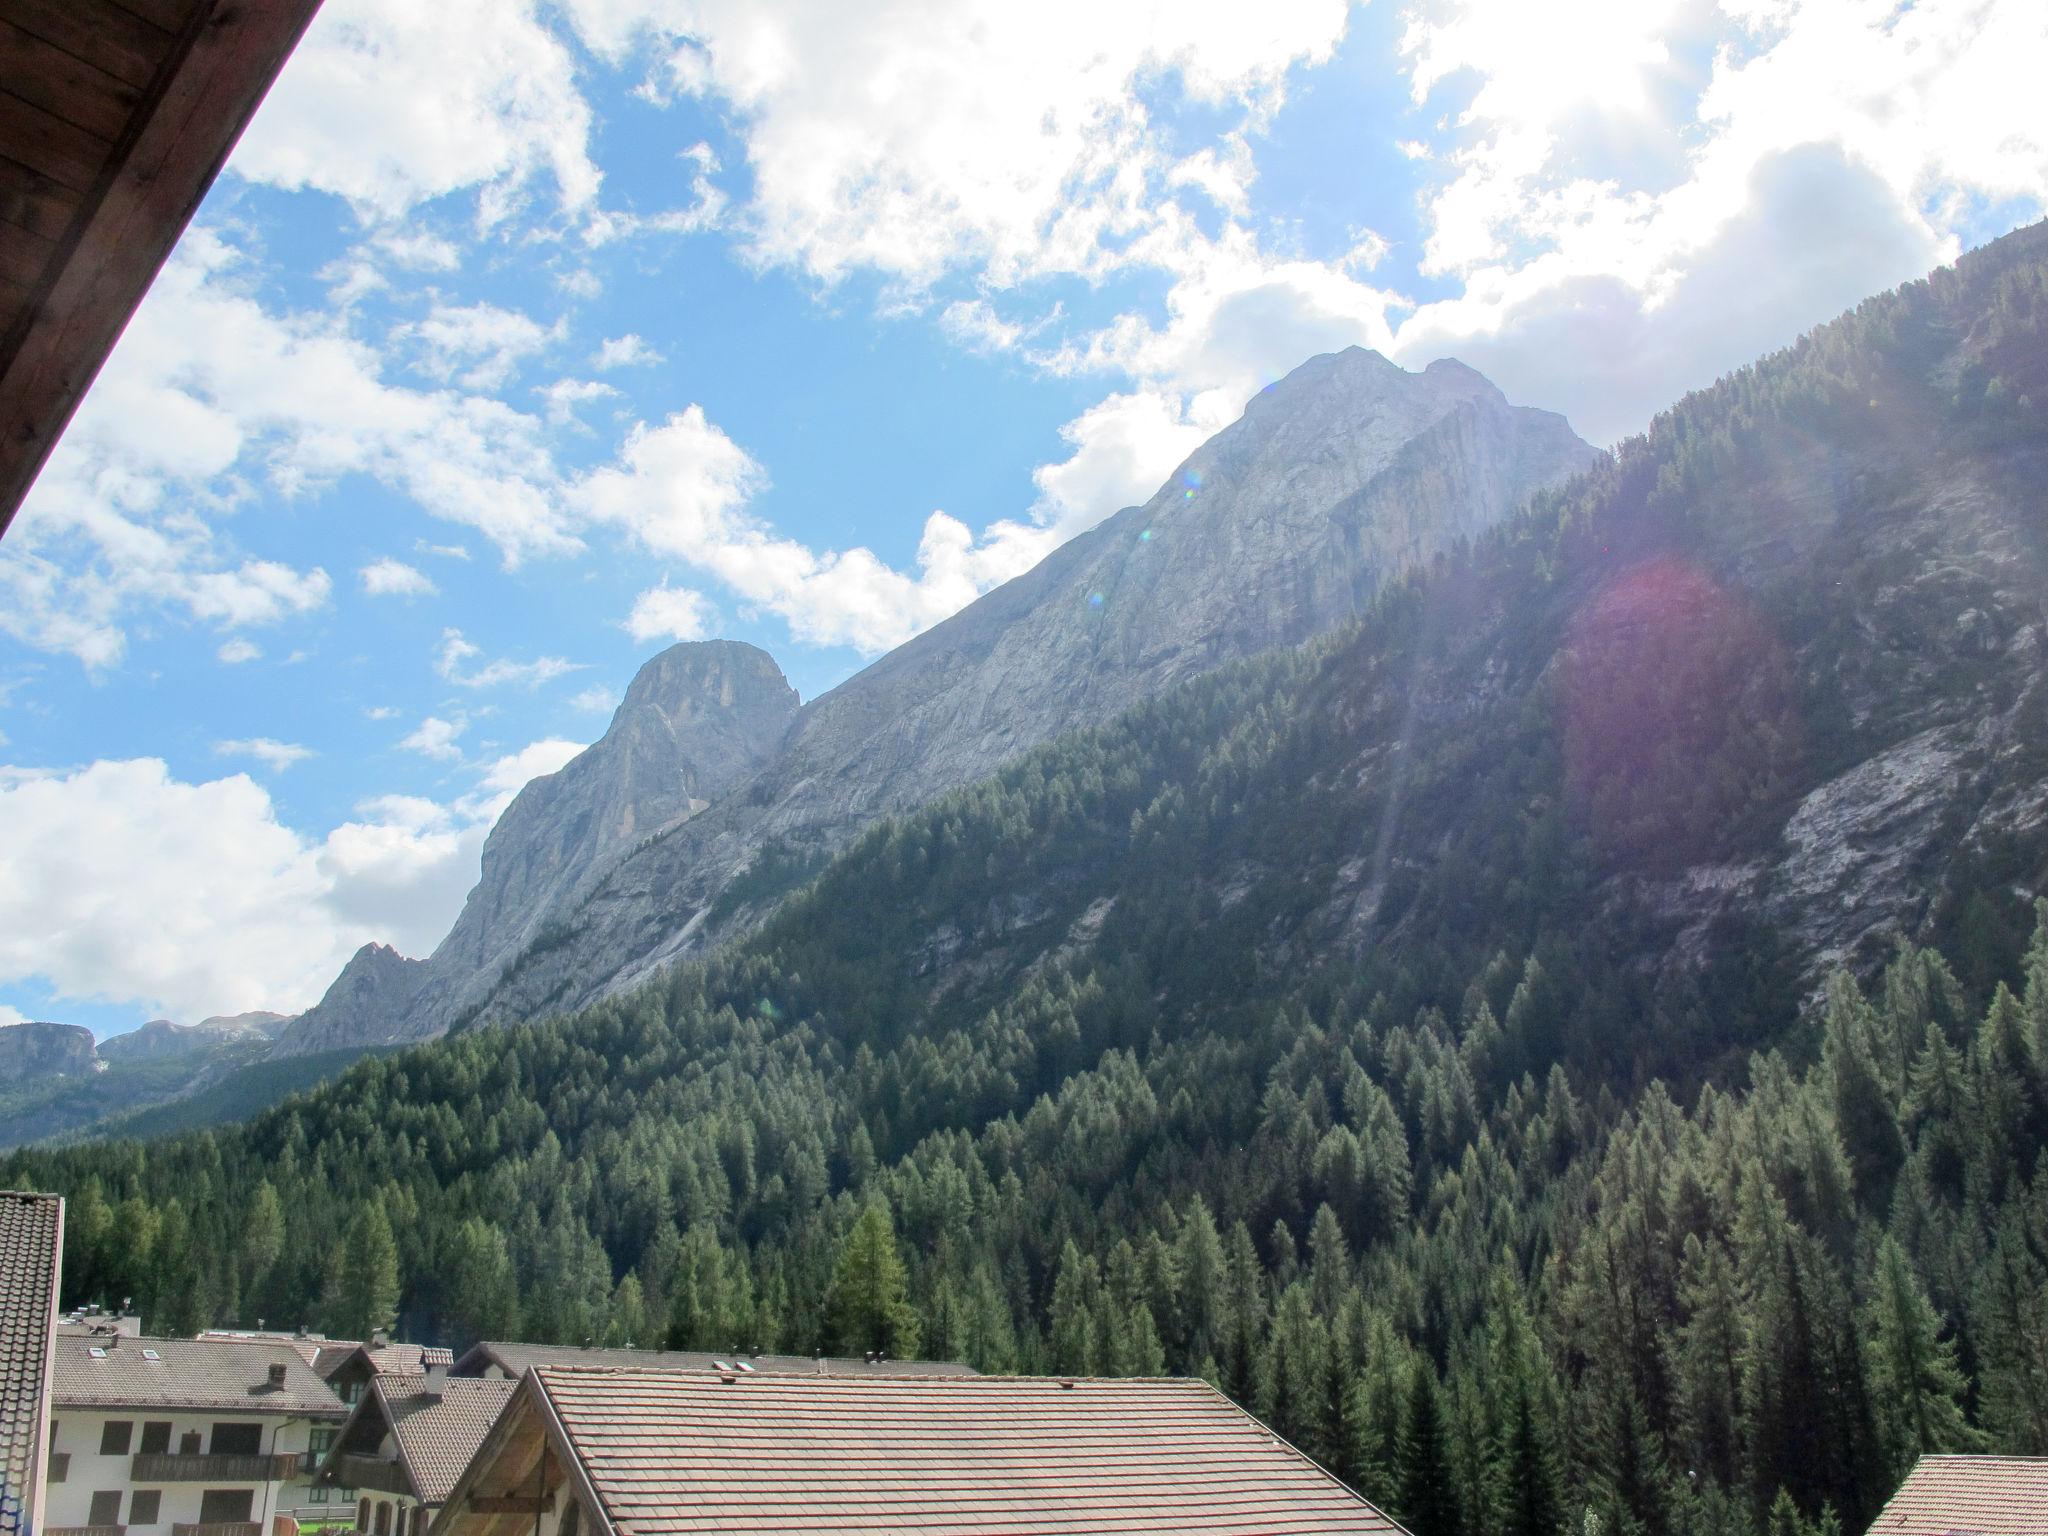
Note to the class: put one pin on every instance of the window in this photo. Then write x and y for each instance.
(383, 1518)
(156, 1438)
(362, 1514)
(60, 1466)
(226, 1506)
(237, 1439)
(572, 1516)
(144, 1505)
(188, 1443)
(317, 1494)
(106, 1507)
(114, 1437)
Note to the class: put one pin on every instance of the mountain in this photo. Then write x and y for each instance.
(161, 1040)
(697, 720)
(1434, 1033)
(55, 1081)
(1342, 476)
(36, 1049)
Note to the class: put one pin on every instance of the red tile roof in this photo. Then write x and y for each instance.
(669, 1452)
(1969, 1496)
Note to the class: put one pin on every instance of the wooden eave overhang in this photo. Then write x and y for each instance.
(115, 117)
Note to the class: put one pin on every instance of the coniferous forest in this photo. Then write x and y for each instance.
(1314, 1028)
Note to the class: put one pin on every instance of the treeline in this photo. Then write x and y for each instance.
(1495, 1303)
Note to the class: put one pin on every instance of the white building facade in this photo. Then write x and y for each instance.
(186, 1437)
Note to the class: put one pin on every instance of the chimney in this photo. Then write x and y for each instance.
(437, 1381)
(277, 1377)
(379, 1338)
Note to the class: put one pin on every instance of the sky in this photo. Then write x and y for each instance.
(523, 338)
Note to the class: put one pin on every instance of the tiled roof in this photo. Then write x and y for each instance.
(383, 1359)
(517, 1359)
(669, 1452)
(438, 1432)
(31, 1246)
(308, 1346)
(1969, 1496)
(222, 1374)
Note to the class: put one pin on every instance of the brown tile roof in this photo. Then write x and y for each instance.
(668, 1452)
(438, 1432)
(1969, 1496)
(307, 1346)
(383, 1359)
(31, 1248)
(517, 1359)
(220, 1374)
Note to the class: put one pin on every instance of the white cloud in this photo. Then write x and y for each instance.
(597, 699)
(391, 104)
(122, 884)
(207, 392)
(975, 325)
(453, 660)
(681, 490)
(480, 344)
(1739, 177)
(931, 136)
(387, 577)
(434, 737)
(628, 351)
(1124, 448)
(235, 652)
(445, 551)
(668, 613)
(564, 395)
(273, 754)
(10, 1015)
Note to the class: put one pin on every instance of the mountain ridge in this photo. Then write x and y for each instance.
(1348, 471)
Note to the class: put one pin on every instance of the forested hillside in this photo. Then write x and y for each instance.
(1370, 1027)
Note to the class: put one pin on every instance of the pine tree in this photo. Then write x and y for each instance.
(1425, 1500)
(868, 1303)
(366, 1295)
(1915, 1383)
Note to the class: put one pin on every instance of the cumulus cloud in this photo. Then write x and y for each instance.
(207, 391)
(434, 737)
(480, 345)
(391, 104)
(273, 754)
(628, 351)
(394, 578)
(597, 699)
(681, 490)
(930, 136)
(456, 661)
(235, 652)
(1740, 176)
(120, 883)
(666, 613)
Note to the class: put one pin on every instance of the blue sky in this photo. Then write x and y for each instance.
(521, 339)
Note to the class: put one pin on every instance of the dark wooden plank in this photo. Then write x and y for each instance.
(188, 124)
(34, 202)
(13, 299)
(106, 37)
(24, 257)
(62, 151)
(170, 15)
(64, 85)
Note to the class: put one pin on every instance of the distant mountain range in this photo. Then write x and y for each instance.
(713, 796)
(55, 1079)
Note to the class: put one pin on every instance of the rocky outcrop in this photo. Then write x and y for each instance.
(1342, 476)
(697, 719)
(37, 1049)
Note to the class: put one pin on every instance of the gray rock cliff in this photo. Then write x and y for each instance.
(696, 720)
(36, 1049)
(1342, 476)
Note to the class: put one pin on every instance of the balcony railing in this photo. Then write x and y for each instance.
(372, 1472)
(85, 1530)
(218, 1528)
(175, 1467)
